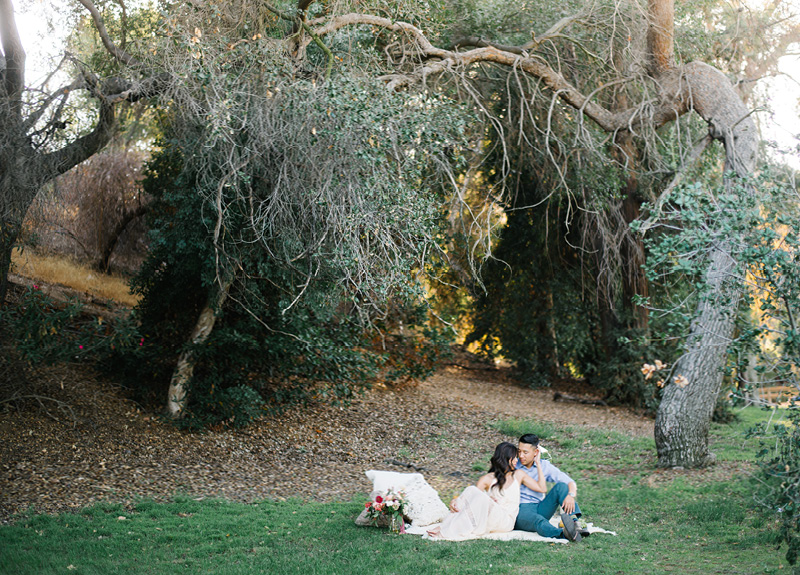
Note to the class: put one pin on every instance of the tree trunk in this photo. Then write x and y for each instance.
(686, 408)
(7, 240)
(685, 411)
(103, 263)
(17, 192)
(178, 393)
(684, 414)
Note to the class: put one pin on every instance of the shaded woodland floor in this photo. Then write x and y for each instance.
(98, 445)
(87, 442)
(106, 447)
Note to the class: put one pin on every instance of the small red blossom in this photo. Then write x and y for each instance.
(379, 499)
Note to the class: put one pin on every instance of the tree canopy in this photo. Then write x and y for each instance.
(357, 146)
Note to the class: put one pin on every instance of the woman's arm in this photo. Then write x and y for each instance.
(539, 485)
(485, 482)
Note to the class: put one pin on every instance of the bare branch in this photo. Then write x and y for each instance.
(536, 41)
(37, 114)
(442, 60)
(118, 53)
(60, 161)
(123, 22)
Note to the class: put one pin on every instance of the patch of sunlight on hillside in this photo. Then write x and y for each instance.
(59, 270)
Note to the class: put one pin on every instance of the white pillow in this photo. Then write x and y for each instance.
(424, 506)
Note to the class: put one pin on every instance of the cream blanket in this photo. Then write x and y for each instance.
(426, 509)
(511, 535)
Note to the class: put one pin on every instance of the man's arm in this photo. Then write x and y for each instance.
(555, 475)
(569, 500)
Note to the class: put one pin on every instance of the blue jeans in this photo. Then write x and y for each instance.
(536, 516)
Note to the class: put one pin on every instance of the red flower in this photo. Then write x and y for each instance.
(379, 499)
(366, 505)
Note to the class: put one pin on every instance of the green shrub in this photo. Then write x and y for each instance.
(45, 330)
(325, 259)
(779, 464)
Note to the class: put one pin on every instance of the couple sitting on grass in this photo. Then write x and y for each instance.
(513, 495)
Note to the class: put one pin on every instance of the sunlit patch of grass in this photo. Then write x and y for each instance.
(59, 270)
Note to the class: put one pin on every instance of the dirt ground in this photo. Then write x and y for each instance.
(105, 447)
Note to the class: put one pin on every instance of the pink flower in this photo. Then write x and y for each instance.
(80, 347)
(35, 286)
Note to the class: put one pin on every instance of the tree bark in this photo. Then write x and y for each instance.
(23, 168)
(111, 243)
(685, 411)
(178, 393)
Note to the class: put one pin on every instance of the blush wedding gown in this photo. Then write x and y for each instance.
(481, 512)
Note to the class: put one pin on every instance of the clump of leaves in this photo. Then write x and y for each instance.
(780, 473)
(46, 330)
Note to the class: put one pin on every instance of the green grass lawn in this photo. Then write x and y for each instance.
(682, 523)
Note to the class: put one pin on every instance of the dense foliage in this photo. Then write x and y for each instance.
(326, 255)
(779, 486)
(765, 351)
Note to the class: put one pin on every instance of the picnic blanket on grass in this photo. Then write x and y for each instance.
(510, 535)
(426, 509)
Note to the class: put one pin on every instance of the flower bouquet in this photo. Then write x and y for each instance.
(389, 508)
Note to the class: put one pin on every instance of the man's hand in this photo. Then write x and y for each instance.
(569, 505)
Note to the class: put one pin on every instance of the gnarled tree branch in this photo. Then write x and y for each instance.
(117, 52)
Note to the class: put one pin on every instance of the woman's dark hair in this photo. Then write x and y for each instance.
(500, 465)
(530, 439)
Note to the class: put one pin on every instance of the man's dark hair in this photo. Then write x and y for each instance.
(530, 439)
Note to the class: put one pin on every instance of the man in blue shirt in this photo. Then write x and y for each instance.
(535, 507)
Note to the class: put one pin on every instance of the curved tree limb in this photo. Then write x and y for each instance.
(118, 53)
(58, 162)
(441, 60)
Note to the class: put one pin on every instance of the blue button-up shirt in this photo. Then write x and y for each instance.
(551, 473)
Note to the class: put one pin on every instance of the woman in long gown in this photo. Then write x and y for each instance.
(491, 505)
